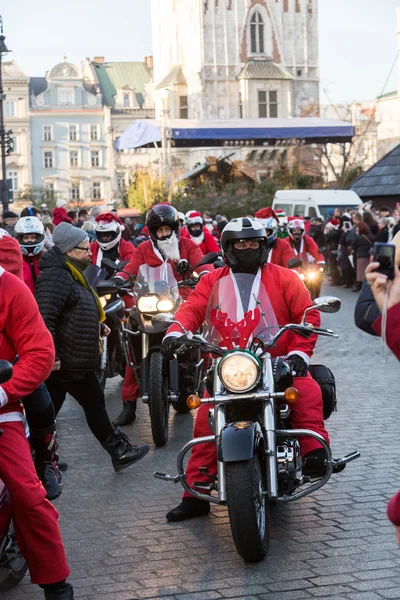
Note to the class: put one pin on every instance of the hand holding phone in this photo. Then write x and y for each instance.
(384, 255)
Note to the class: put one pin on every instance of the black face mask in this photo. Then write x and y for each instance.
(195, 232)
(248, 261)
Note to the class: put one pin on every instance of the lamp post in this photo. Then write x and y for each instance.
(3, 182)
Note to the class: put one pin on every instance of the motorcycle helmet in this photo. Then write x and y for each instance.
(270, 221)
(30, 226)
(244, 228)
(296, 228)
(192, 222)
(181, 218)
(108, 230)
(159, 215)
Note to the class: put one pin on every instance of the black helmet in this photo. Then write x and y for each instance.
(162, 214)
(243, 228)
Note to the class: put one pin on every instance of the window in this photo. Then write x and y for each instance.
(96, 190)
(73, 158)
(14, 144)
(299, 210)
(73, 133)
(312, 212)
(48, 159)
(11, 108)
(183, 107)
(257, 34)
(14, 177)
(95, 158)
(66, 97)
(126, 100)
(240, 106)
(267, 104)
(121, 182)
(94, 132)
(49, 187)
(47, 133)
(75, 191)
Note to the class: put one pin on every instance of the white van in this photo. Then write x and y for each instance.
(314, 203)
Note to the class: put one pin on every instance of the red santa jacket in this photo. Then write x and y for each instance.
(30, 262)
(287, 293)
(207, 242)
(126, 251)
(280, 253)
(308, 246)
(392, 329)
(23, 334)
(60, 215)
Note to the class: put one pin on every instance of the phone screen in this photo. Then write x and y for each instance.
(384, 254)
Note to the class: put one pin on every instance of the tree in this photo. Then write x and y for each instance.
(144, 191)
(36, 195)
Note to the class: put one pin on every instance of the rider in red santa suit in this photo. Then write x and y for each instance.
(108, 242)
(24, 334)
(164, 245)
(280, 251)
(29, 232)
(196, 231)
(245, 250)
(303, 244)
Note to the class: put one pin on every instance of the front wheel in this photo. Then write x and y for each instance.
(248, 508)
(158, 400)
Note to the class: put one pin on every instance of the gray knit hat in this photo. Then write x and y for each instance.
(66, 237)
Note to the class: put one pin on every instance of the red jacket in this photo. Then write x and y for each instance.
(209, 243)
(288, 296)
(23, 333)
(280, 253)
(126, 251)
(26, 267)
(307, 246)
(392, 329)
(60, 215)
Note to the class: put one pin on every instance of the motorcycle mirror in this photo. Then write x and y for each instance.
(5, 371)
(208, 259)
(327, 304)
(294, 263)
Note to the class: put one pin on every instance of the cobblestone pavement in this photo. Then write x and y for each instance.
(336, 543)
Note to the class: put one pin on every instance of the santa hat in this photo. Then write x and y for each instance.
(109, 222)
(193, 216)
(264, 214)
(335, 222)
(295, 219)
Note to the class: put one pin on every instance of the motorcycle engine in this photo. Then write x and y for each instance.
(289, 464)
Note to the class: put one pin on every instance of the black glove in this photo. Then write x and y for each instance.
(298, 365)
(169, 346)
(183, 267)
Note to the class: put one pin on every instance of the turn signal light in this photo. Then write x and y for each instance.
(291, 394)
(193, 401)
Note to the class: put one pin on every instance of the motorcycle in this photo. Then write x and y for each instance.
(258, 454)
(12, 564)
(112, 358)
(311, 274)
(161, 382)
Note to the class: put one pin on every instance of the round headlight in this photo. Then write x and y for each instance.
(312, 275)
(147, 304)
(165, 305)
(239, 372)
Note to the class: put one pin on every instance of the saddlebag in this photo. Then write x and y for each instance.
(326, 381)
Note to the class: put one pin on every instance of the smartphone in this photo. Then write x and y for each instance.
(384, 254)
(347, 225)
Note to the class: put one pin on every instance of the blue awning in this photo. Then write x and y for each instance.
(188, 132)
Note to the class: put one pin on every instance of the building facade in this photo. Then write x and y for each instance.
(68, 136)
(16, 118)
(226, 59)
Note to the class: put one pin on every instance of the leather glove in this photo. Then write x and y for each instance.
(169, 346)
(183, 267)
(298, 365)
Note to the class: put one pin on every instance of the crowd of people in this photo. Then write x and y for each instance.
(57, 339)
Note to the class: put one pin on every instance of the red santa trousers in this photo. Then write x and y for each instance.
(35, 518)
(307, 413)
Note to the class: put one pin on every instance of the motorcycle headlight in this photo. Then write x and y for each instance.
(165, 305)
(312, 275)
(104, 300)
(147, 304)
(239, 372)
(302, 276)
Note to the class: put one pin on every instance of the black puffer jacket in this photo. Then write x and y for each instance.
(366, 310)
(70, 313)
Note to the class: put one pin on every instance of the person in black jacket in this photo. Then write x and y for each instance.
(316, 232)
(73, 314)
(383, 233)
(362, 245)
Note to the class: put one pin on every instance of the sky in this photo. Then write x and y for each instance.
(357, 42)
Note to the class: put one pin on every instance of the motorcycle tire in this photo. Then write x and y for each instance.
(158, 400)
(12, 564)
(248, 508)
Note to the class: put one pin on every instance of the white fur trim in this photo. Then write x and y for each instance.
(1, 271)
(3, 397)
(199, 239)
(12, 417)
(99, 257)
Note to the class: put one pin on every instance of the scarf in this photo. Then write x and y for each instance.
(80, 278)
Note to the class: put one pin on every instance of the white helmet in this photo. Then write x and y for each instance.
(296, 224)
(30, 225)
(194, 217)
(109, 229)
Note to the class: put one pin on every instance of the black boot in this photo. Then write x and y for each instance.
(58, 591)
(314, 464)
(122, 452)
(189, 508)
(44, 443)
(127, 415)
